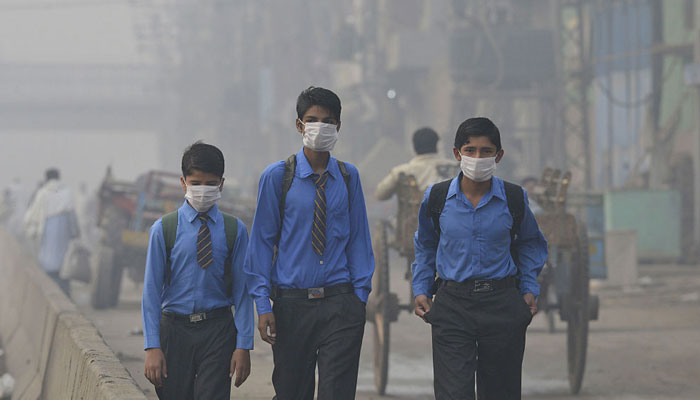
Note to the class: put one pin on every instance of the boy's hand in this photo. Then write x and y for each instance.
(423, 305)
(155, 369)
(240, 365)
(531, 302)
(266, 321)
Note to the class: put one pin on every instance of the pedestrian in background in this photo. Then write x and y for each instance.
(50, 222)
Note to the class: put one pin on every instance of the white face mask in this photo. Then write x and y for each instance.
(478, 169)
(319, 136)
(202, 197)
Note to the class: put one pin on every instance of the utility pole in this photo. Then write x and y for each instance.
(574, 53)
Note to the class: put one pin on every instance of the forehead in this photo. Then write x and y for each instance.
(201, 176)
(479, 141)
(318, 112)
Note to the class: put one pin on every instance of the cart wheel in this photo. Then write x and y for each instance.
(546, 298)
(107, 281)
(578, 315)
(382, 317)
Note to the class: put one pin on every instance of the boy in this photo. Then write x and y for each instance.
(479, 234)
(310, 252)
(194, 274)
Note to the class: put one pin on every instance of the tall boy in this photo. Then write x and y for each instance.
(194, 274)
(478, 233)
(311, 214)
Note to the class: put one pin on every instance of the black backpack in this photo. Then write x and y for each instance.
(514, 197)
(290, 166)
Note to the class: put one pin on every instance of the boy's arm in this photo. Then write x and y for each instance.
(243, 317)
(153, 287)
(359, 248)
(532, 252)
(263, 237)
(425, 244)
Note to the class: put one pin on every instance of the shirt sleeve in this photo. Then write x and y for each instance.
(387, 187)
(425, 243)
(263, 237)
(243, 318)
(531, 247)
(153, 286)
(359, 248)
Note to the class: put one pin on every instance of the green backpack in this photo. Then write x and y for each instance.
(170, 233)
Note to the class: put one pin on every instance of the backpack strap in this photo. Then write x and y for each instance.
(436, 202)
(169, 222)
(516, 206)
(346, 177)
(231, 229)
(290, 167)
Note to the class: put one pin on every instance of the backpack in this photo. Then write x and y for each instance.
(290, 166)
(170, 232)
(514, 197)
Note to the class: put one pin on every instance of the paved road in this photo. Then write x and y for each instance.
(645, 346)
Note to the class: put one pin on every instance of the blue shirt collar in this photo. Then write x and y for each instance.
(304, 168)
(191, 214)
(497, 189)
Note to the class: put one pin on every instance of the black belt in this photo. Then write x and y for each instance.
(311, 293)
(483, 285)
(215, 313)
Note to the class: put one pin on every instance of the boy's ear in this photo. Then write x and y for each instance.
(183, 183)
(337, 128)
(499, 155)
(458, 156)
(221, 185)
(300, 126)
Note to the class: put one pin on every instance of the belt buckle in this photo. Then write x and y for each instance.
(198, 317)
(315, 293)
(482, 286)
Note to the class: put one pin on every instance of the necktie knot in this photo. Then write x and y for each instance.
(321, 180)
(203, 217)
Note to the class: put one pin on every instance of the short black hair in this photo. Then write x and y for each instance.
(52, 173)
(203, 157)
(318, 96)
(477, 127)
(425, 140)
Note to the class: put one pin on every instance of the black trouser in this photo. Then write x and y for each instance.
(482, 332)
(197, 357)
(326, 331)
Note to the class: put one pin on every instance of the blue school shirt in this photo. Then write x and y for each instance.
(348, 256)
(194, 289)
(474, 242)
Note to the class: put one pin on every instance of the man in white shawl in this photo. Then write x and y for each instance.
(51, 222)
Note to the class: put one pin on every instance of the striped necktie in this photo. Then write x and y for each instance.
(318, 231)
(204, 253)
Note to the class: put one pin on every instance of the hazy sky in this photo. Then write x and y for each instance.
(67, 32)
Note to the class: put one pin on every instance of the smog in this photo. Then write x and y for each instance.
(595, 104)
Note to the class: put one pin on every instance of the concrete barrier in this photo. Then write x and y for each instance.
(52, 351)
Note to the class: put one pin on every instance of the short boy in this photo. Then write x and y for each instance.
(194, 274)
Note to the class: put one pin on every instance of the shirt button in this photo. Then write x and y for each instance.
(320, 262)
